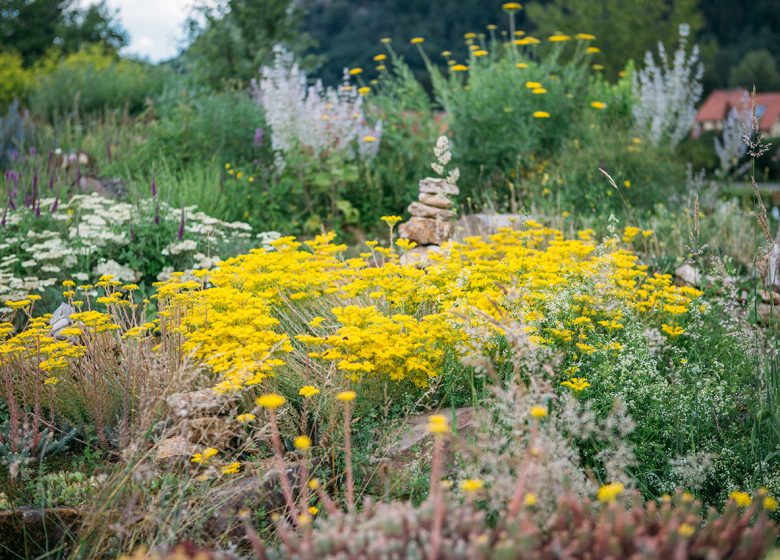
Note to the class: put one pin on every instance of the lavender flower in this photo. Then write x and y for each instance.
(154, 187)
(258, 137)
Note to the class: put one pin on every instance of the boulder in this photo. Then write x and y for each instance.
(426, 231)
(688, 275)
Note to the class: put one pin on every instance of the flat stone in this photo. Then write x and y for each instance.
(437, 200)
(426, 231)
(424, 211)
(433, 185)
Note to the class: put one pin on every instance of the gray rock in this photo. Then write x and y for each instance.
(424, 211)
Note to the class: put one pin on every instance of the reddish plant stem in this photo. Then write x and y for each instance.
(348, 456)
(437, 495)
(276, 442)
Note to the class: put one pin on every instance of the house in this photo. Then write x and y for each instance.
(716, 107)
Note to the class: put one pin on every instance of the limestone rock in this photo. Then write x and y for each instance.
(437, 200)
(433, 185)
(426, 231)
(424, 211)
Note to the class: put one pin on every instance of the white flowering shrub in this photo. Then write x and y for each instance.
(313, 118)
(89, 236)
(667, 92)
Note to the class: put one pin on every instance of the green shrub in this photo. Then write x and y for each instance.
(90, 81)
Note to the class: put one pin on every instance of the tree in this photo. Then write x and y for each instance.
(756, 68)
(232, 40)
(32, 27)
(624, 29)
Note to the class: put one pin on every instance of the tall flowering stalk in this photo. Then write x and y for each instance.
(347, 397)
(438, 426)
(271, 402)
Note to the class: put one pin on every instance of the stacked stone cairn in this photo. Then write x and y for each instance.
(432, 221)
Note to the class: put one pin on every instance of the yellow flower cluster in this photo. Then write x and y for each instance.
(389, 320)
(373, 317)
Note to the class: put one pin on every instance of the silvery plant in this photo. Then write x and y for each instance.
(316, 119)
(731, 147)
(667, 92)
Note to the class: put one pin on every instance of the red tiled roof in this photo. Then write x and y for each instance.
(720, 101)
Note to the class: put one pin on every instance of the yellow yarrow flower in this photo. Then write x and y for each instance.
(471, 485)
(270, 401)
(742, 499)
(346, 396)
(538, 411)
(609, 492)
(308, 391)
(204, 456)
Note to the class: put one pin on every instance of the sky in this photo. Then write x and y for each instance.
(155, 26)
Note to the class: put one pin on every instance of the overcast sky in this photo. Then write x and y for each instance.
(155, 26)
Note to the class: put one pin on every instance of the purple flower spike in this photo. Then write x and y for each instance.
(55, 204)
(154, 187)
(181, 226)
(38, 208)
(258, 137)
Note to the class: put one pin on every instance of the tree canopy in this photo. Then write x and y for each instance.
(32, 27)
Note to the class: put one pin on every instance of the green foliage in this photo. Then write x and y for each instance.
(232, 40)
(14, 78)
(90, 81)
(33, 27)
(757, 68)
(624, 30)
(67, 488)
(496, 135)
(188, 128)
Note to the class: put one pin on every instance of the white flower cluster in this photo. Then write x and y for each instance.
(83, 238)
(667, 93)
(313, 118)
